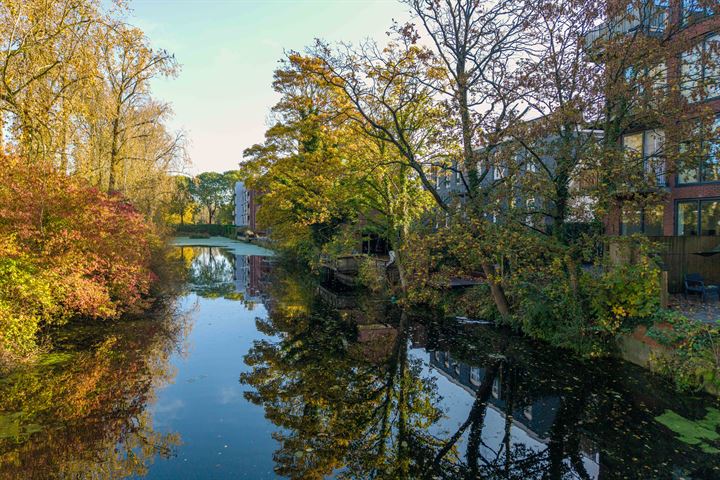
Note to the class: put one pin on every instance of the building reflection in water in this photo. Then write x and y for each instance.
(530, 423)
(251, 276)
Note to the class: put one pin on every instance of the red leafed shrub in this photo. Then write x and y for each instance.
(66, 250)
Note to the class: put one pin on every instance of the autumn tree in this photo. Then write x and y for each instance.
(75, 93)
(46, 62)
(128, 64)
(182, 199)
(302, 167)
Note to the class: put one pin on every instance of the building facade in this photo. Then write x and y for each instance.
(690, 191)
(246, 206)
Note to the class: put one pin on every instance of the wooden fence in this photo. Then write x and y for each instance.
(679, 257)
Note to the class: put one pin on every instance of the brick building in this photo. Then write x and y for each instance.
(246, 206)
(690, 194)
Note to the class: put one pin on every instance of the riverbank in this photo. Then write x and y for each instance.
(663, 341)
(67, 251)
(140, 399)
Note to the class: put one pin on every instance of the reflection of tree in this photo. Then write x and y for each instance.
(83, 414)
(338, 408)
(596, 408)
(211, 272)
(346, 409)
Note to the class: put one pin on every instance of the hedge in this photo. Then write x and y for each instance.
(210, 229)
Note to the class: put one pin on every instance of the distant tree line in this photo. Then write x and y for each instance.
(205, 198)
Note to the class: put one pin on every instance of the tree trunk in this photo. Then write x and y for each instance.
(498, 294)
(469, 165)
(113, 154)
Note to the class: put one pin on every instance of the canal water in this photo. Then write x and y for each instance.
(256, 371)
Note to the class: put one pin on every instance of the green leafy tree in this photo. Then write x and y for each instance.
(210, 190)
(182, 202)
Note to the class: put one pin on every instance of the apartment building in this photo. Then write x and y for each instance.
(689, 193)
(686, 200)
(246, 205)
(514, 176)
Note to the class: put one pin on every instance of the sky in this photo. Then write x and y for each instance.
(228, 50)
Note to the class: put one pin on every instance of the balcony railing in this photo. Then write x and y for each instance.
(651, 20)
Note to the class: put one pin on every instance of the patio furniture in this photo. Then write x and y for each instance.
(694, 283)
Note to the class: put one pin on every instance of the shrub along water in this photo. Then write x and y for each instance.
(67, 250)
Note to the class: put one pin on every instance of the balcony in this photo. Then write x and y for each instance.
(650, 20)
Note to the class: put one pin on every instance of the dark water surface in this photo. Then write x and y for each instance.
(262, 373)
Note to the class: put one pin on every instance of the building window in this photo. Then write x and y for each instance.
(700, 70)
(702, 162)
(648, 147)
(648, 221)
(496, 388)
(655, 79)
(698, 217)
(530, 207)
(528, 412)
(475, 376)
(498, 173)
(694, 10)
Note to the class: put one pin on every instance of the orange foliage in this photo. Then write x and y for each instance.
(91, 248)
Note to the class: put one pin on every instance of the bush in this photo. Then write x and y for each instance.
(693, 358)
(552, 312)
(370, 276)
(477, 303)
(66, 250)
(623, 296)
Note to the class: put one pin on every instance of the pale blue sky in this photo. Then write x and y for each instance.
(228, 50)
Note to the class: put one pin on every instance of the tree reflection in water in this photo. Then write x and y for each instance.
(353, 398)
(82, 412)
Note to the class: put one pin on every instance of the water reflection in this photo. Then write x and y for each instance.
(360, 391)
(215, 272)
(347, 386)
(97, 406)
(83, 413)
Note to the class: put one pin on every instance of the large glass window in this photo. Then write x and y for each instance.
(648, 148)
(633, 143)
(698, 217)
(700, 70)
(648, 220)
(655, 78)
(653, 221)
(710, 217)
(701, 159)
(711, 71)
(687, 218)
(631, 222)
